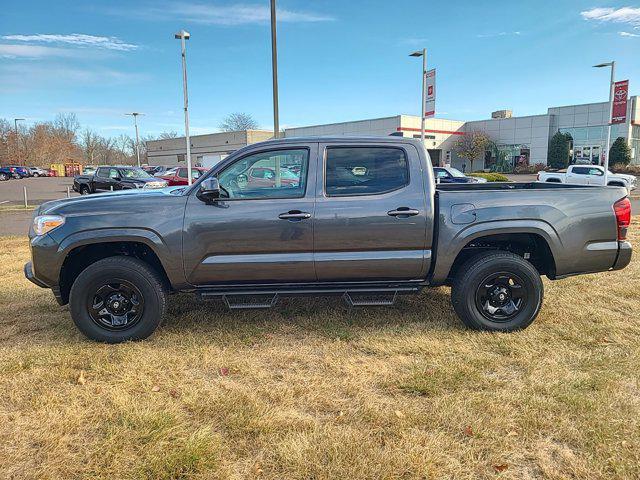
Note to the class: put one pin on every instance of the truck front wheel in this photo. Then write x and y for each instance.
(118, 299)
(497, 291)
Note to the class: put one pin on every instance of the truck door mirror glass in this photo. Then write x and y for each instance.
(209, 189)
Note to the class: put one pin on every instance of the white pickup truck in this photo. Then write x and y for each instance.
(589, 175)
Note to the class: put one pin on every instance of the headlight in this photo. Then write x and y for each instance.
(155, 184)
(45, 223)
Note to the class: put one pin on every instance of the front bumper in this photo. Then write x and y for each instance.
(28, 272)
(624, 255)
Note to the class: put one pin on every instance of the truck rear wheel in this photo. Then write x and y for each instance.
(497, 291)
(118, 299)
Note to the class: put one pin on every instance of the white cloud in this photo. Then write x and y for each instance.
(32, 51)
(75, 39)
(628, 15)
(208, 14)
(628, 34)
(497, 34)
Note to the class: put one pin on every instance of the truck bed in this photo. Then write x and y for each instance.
(577, 222)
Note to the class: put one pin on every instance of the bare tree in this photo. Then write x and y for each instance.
(237, 122)
(168, 135)
(91, 143)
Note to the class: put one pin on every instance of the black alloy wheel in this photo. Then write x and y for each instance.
(497, 291)
(117, 299)
(500, 296)
(117, 305)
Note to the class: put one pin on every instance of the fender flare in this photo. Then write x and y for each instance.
(446, 257)
(139, 235)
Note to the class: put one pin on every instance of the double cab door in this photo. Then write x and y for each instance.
(331, 213)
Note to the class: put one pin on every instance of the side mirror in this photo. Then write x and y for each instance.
(209, 189)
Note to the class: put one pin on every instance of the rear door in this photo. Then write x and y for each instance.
(101, 179)
(371, 217)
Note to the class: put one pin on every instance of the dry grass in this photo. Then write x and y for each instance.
(314, 390)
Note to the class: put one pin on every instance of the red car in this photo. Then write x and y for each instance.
(178, 175)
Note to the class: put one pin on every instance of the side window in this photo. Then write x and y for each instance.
(103, 172)
(283, 182)
(580, 170)
(441, 173)
(365, 170)
(195, 173)
(113, 173)
(595, 171)
(182, 172)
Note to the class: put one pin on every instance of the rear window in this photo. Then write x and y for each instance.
(365, 170)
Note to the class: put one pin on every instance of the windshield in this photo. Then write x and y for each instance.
(135, 173)
(455, 172)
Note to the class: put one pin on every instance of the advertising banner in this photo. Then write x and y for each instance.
(430, 106)
(619, 112)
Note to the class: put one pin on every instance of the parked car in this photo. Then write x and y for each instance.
(367, 237)
(453, 175)
(5, 174)
(589, 175)
(18, 171)
(178, 175)
(260, 177)
(110, 178)
(38, 172)
(156, 170)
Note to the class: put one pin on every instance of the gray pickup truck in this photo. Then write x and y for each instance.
(357, 217)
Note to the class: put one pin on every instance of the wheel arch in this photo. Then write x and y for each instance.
(81, 250)
(536, 238)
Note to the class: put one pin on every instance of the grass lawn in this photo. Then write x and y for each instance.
(312, 389)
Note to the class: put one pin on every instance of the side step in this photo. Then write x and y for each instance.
(365, 299)
(239, 302)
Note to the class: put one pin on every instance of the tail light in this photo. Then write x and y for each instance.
(622, 209)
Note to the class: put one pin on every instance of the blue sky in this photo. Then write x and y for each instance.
(338, 60)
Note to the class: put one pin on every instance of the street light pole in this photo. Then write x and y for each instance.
(274, 69)
(183, 36)
(423, 54)
(135, 123)
(15, 125)
(611, 64)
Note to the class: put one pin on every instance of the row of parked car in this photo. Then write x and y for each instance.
(121, 177)
(8, 172)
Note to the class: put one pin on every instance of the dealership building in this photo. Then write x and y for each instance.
(516, 139)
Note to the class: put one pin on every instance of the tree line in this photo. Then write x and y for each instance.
(63, 140)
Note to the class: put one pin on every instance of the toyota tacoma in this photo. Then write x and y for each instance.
(364, 219)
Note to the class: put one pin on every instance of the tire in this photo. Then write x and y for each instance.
(84, 190)
(134, 281)
(3, 177)
(36, 175)
(489, 286)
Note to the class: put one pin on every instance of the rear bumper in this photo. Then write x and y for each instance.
(624, 255)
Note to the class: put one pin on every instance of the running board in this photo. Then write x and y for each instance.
(363, 299)
(240, 302)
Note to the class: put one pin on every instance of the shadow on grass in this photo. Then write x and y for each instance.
(324, 316)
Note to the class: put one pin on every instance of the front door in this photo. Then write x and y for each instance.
(371, 215)
(255, 233)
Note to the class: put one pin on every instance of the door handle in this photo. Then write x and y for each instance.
(403, 212)
(294, 215)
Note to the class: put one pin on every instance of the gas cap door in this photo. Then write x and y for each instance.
(463, 213)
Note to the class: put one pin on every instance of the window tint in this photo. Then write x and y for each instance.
(182, 172)
(365, 171)
(103, 172)
(263, 175)
(581, 170)
(113, 173)
(440, 173)
(595, 171)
